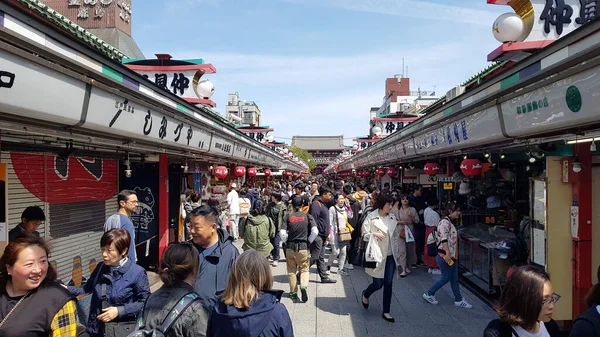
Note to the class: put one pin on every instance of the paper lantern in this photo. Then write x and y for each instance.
(508, 27)
(295, 174)
(431, 169)
(240, 171)
(392, 172)
(204, 89)
(252, 172)
(267, 173)
(381, 172)
(471, 167)
(221, 172)
(288, 173)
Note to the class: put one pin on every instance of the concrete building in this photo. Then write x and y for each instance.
(242, 113)
(110, 20)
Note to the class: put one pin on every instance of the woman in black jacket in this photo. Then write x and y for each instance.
(179, 270)
(588, 323)
(526, 306)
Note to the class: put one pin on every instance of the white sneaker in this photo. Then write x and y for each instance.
(429, 270)
(328, 272)
(436, 272)
(274, 263)
(430, 299)
(408, 271)
(463, 304)
(349, 266)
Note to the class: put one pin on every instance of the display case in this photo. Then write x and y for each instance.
(483, 255)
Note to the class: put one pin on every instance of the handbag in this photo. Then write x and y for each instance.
(84, 303)
(115, 329)
(432, 245)
(373, 253)
(409, 235)
(344, 234)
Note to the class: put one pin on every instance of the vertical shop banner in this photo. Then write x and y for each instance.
(144, 181)
(3, 206)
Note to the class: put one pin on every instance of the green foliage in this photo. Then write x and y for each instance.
(304, 156)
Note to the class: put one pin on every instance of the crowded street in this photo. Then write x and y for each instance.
(307, 168)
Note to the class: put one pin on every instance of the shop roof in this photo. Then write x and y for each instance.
(315, 143)
(71, 27)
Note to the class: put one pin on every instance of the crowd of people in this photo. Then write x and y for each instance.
(210, 289)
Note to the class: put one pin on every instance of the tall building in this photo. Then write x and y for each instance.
(110, 20)
(242, 113)
(324, 149)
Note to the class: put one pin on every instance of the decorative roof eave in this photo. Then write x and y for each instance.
(71, 27)
(394, 119)
(254, 129)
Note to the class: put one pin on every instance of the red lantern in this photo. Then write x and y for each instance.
(381, 172)
(295, 175)
(391, 172)
(471, 167)
(288, 173)
(431, 169)
(221, 172)
(267, 173)
(240, 171)
(252, 172)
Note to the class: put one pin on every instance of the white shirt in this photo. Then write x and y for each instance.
(233, 203)
(431, 217)
(598, 308)
(541, 333)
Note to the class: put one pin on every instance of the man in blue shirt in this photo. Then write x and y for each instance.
(128, 204)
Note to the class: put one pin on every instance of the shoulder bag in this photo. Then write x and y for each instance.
(168, 321)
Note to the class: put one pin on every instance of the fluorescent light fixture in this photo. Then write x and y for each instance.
(583, 140)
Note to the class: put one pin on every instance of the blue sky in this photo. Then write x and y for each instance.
(315, 67)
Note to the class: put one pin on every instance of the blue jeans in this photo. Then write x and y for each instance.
(275, 253)
(385, 282)
(449, 274)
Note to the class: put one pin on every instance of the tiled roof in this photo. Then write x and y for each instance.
(73, 28)
(319, 142)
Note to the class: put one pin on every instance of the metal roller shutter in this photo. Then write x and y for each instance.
(80, 192)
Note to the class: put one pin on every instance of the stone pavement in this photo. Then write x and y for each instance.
(335, 309)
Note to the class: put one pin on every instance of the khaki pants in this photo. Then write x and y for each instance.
(297, 261)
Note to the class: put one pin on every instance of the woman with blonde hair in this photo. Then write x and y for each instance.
(248, 306)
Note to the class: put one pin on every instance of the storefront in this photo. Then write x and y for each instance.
(76, 127)
(536, 120)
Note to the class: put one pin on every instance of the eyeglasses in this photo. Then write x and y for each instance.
(552, 300)
(135, 202)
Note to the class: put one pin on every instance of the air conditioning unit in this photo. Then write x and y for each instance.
(250, 117)
(454, 92)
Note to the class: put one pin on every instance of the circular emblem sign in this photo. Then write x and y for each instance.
(573, 99)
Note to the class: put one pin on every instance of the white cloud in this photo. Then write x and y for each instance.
(409, 8)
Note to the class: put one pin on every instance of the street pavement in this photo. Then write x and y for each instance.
(335, 309)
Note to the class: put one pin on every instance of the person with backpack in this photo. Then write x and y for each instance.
(175, 309)
(298, 231)
(245, 205)
(276, 211)
(258, 230)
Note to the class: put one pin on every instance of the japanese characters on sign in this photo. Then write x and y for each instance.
(221, 146)
(177, 82)
(7, 79)
(137, 121)
(87, 8)
(555, 18)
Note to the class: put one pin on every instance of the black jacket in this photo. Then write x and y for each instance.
(214, 269)
(587, 324)
(497, 328)
(193, 322)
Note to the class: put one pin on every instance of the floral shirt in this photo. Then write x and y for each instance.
(447, 233)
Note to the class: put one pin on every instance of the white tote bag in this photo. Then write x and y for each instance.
(409, 235)
(373, 252)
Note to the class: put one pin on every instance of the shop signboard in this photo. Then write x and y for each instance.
(482, 127)
(21, 80)
(221, 146)
(430, 141)
(111, 114)
(405, 149)
(240, 151)
(572, 101)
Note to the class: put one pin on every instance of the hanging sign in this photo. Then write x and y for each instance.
(20, 78)
(482, 127)
(569, 102)
(109, 113)
(575, 221)
(221, 146)
(241, 151)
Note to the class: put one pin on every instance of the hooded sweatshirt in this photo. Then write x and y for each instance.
(257, 232)
(266, 317)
